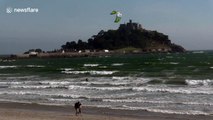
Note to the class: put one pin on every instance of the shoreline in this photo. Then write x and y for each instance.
(82, 54)
(89, 113)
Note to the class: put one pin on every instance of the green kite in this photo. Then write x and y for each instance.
(118, 16)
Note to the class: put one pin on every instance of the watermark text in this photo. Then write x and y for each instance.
(21, 10)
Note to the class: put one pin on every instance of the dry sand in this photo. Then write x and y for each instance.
(21, 111)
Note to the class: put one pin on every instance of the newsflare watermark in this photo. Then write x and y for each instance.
(10, 10)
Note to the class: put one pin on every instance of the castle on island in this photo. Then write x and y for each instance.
(131, 26)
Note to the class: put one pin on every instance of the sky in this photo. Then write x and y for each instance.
(188, 23)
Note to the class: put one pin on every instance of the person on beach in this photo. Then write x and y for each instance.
(77, 108)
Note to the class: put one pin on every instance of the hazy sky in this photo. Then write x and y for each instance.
(187, 22)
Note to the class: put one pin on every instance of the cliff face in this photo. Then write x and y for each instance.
(127, 35)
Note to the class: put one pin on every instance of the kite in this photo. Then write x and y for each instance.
(118, 16)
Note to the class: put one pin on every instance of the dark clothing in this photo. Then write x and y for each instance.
(77, 108)
(77, 105)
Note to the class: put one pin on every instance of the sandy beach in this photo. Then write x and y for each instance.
(22, 111)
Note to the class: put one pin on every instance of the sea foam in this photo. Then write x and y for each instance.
(91, 65)
(90, 72)
(5, 67)
(200, 82)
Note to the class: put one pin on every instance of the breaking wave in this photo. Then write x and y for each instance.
(98, 88)
(5, 67)
(172, 90)
(155, 102)
(117, 64)
(90, 72)
(35, 66)
(180, 112)
(91, 65)
(206, 82)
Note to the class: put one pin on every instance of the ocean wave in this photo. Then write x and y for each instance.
(155, 102)
(206, 82)
(5, 67)
(72, 96)
(11, 83)
(190, 66)
(132, 80)
(120, 78)
(174, 63)
(18, 82)
(91, 65)
(117, 64)
(35, 66)
(38, 86)
(136, 101)
(198, 52)
(66, 69)
(63, 100)
(102, 66)
(16, 93)
(22, 77)
(172, 90)
(179, 112)
(98, 88)
(170, 57)
(93, 97)
(110, 83)
(68, 96)
(55, 82)
(90, 72)
(5, 74)
(191, 112)
(196, 103)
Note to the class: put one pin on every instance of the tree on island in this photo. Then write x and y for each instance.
(38, 50)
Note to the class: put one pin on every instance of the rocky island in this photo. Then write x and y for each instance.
(128, 38)
(130, 35)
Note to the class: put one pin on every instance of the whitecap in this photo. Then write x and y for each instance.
(91, 65)
(102, 72)
(199, 82)
(119, 78)
(37, 86)
(117, 64)
(90, 72)
(5, 67)
(105, 83)
(180, 112)
(191, 112)
(173, 90)
(63, 100)
(74, 72)
(35, 66)
(15, 92)
(155, 102)
(198, 52)
(67, 69)
(55, 82)
(197, 103)
(174, 63)
(103, 67)
(98, 88)
(11, 83)
(136, 100)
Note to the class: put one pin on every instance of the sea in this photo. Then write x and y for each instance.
(174, 83)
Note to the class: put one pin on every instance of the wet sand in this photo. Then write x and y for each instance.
(22, 111)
